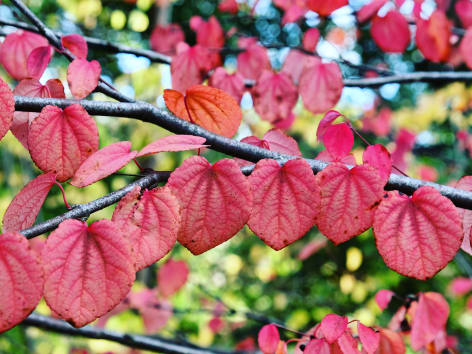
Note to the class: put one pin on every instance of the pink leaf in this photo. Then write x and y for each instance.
(430, 318)
(24, 208)
(378, 156)
(466, 48)
(326, 122)
(280, 142)
(296, 62)
(253, 61)
(164, 39)
(171, 276)
(209, 33)
(59, 141)
(317, 346)
(460, 286)
(338, 140)
(103, 163)
(76, 45)
(310, 39)
(348, 198)
(383, 27)
(347, 344)
(383, 298)
(325, 156)
(38, 61)
(274, 96)
(285, 201)
(312, 247)
(216, 202)
(369, 10)
(369, 338)
(154, 312)
(293, 14)
(216, 324)
(88, 270)
(15, 51)
(333, 327)
(151, 224)
(378, 123)
(321, 86)
(230, 6)
(390, 342)
(464, 12)
(465, 183)
(268, 339)
(417, 236)
(21, 280)
(7, 108)
(231, 83)
(173, 143)
(83, 76)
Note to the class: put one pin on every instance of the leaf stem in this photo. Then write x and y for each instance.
(63, 195)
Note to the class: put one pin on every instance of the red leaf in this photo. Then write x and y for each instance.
(369, 338)
(15, 51)
(417, 236)
(171, 276)
(103, 163)
(460, 286)
(88, 270)
(465, 183)
(378, 156)
(209, 33)
(466, 47)
(333, 327)
(209, 107)
(231, 83)
(230, 6)
(338, 140)
(59, 141)
(24, 208)
(216, 202)
(83, 76)
(285, 201)
(321, 86)
(390, 342)
(216, 324)
(21, 280)
(348, 198)
(293, 14)
(274, 96)
(280, 142)
(369, 10)
(253, 61)
(383, 27)
(76, 45)
(326, 122)
(317, 346)
(323, 7)
(38, 61)
(173, 143)
(430, 318)
(268, 339)
(432, 36)
(310, 39)
(383, 298)
(296, 62)
(464, 12)
(7, 108)
(164, 39)
(151, 224)
(32, 88)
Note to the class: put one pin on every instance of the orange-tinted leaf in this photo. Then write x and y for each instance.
(333, 326)
(7, 107)
(383, 28)
(285, 201)
(103, 163)
(24, 208)
(321, 86)
(216, 202)
(429, 319)
(173, 143)
(323, 7)
(59, 141)
(88, 270)
(171, 276)
(417, 236)
(76, 44)
(347, 200)
(390, 342)
(432, 36)
(209, 107)
(369, 338)
(268, 339)
(83, 76)
(21, 280)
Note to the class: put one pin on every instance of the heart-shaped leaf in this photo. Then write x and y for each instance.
(83, 77)
(333, 326)
(76, 44)
(171, 276)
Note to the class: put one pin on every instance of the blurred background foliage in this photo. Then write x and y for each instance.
(295, 286)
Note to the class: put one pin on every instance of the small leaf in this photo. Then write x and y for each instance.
(59, 141)
(83, 77)
(285, 201)
(7, 108)
(253, 61)
(432, 36)
(231, 83)
(417, 236)
(24, 208)
(103, 163)
(429, 319)
(378, 156)
(348, 198)
(268, 339)
(383, 298)
(310, 39)
(369, 10)
(460, 286)
(209, 107)
(154, 312)
(21, 280)
(326, 122)
(164, 39)
(216, 202)
(88, 270)
(317, 346)
(280, 142)
(173, 143)
(38, 61)
(369, 338)
(325, 8)
(338, 140)
(171, 276)
(333, 327)
(383, 27)
(76, 45)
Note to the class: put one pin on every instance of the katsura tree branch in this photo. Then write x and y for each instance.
(154, 343)
(148, 113)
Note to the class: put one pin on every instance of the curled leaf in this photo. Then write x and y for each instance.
(76, 44)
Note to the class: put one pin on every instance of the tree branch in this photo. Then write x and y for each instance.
(154, 343)
(148, 113)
